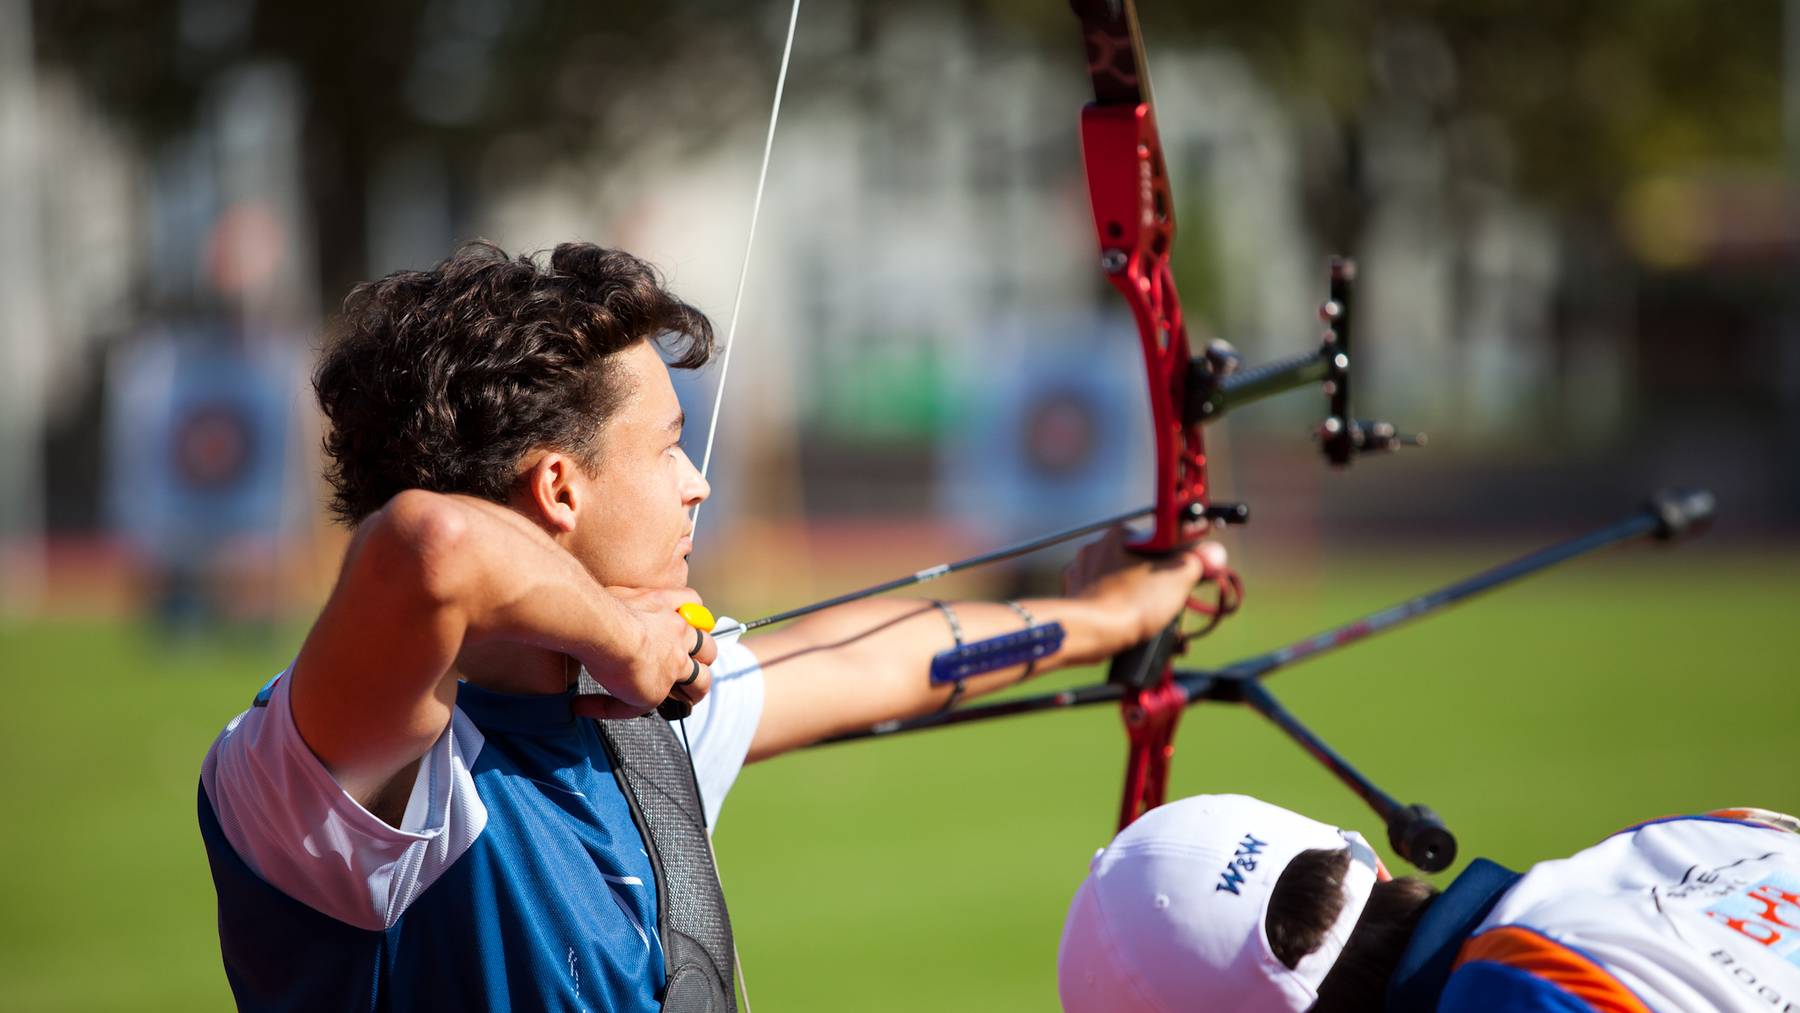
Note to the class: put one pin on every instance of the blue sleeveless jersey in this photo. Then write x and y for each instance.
(552, 906)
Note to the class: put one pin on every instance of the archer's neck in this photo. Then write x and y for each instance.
(515, 668)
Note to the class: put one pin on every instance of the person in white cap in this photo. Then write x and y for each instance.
(1225, 902)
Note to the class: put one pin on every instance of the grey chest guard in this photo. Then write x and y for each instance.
(657, 779)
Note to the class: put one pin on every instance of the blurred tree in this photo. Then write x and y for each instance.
(451, 74)
(1587, 97)
(1590, 96)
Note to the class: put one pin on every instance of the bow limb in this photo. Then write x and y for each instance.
(1134, 219)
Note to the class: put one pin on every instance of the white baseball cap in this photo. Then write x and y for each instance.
(1170, 917)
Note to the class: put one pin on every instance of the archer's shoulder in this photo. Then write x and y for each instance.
(286, 818)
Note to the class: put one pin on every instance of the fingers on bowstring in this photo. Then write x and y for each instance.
(690, 687)
(704, 649)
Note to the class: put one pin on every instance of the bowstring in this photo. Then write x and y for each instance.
(737, 302)
(742, 984)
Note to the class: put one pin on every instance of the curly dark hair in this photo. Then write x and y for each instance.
(444, 379)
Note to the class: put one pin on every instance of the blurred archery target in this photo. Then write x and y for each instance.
(1059, 432)
(212, 445)
(200, 431)
(1058, 437)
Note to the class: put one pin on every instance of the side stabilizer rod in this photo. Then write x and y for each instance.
(1414, 831)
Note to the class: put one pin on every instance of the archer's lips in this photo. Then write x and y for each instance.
(684, 547)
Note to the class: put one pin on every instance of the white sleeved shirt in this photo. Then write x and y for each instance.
(288, 820)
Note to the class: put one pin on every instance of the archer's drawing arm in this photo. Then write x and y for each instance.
(430, 577)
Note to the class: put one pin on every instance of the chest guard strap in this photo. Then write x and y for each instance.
(658, 782)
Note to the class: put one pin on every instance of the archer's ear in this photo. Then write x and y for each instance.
(551, 492)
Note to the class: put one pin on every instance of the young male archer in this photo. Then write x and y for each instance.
(417, 812)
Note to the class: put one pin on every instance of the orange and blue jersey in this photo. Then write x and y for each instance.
(1688, 913)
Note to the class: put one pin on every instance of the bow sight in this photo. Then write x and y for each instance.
(1217, 382)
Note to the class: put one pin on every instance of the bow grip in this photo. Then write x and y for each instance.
(1142, 666)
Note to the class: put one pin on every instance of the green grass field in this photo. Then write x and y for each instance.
(931, 872)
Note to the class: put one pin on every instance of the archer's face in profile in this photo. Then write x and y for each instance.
(634, 527)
